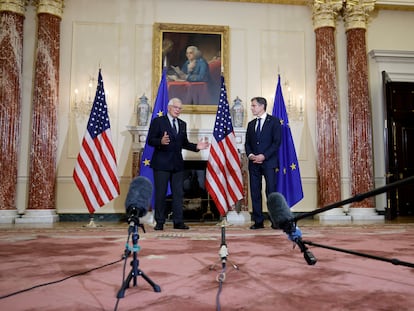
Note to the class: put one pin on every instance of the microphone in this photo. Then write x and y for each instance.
(138, 198)
(280, 213)
(283, 218)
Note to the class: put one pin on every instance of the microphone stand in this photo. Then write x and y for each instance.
(135, 271)
(311, 260)
(357, 197)
(223, 252)
(394, 261)
(307, 254)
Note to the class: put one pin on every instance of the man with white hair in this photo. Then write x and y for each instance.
(168, 135)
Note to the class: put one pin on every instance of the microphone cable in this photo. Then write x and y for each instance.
(221, 277)
(61, 280)
(125, 259)
(223, 253)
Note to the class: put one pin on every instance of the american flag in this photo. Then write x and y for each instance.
(95, 172)
(223, 177)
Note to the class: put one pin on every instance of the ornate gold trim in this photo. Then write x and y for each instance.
(160, 28)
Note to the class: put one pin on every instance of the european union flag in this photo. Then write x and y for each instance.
(289, 182)
(160, 109)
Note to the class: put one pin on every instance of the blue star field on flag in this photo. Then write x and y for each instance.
(289, 182)
(160, 109)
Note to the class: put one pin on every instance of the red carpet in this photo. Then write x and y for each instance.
(271, 276)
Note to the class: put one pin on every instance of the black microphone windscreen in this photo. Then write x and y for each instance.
(279, 212)
(139, 196)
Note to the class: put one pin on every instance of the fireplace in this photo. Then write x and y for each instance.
(197, 204)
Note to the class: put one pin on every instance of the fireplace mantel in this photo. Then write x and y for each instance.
(139, 136)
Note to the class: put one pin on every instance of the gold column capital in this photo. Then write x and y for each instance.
(53, 7)
(325, 12)
(15, 6)
(356, 13)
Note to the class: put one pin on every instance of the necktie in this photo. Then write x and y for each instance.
(258, 128)
(175, 126)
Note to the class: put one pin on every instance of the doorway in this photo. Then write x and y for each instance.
(399, 144)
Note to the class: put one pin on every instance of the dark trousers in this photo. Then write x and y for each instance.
(256, 171)
(161, 179)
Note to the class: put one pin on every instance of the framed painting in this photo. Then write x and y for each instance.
(195, 57)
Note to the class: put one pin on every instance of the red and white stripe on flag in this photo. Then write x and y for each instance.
(95, 173)
(223, 178)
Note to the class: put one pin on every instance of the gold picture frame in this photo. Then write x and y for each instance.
(170, 42)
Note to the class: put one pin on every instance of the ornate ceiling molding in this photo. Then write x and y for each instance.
(402, 5)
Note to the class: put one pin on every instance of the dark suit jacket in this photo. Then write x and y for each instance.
(168, 157)
(268, 143)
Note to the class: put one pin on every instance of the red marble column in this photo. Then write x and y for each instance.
(43, 153)
(11, 59)
(360, 122)
(329, 176)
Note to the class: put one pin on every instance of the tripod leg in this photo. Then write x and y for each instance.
(125, 285)
(135, 271)
(156, 287)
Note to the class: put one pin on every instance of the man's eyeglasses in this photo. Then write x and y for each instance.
(178, 108)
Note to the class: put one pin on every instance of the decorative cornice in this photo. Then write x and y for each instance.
(15, 6)
(401, 5)
(392, 56)
(292, 2)
(356, 13)
(53, 7)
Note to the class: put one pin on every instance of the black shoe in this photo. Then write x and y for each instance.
(181, 226)
(159, 227)
(257, 226)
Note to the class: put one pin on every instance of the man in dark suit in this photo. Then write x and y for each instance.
(168, 135)
(263, 138)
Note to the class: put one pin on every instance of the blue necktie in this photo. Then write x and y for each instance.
(175, 127)
(258, 128)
